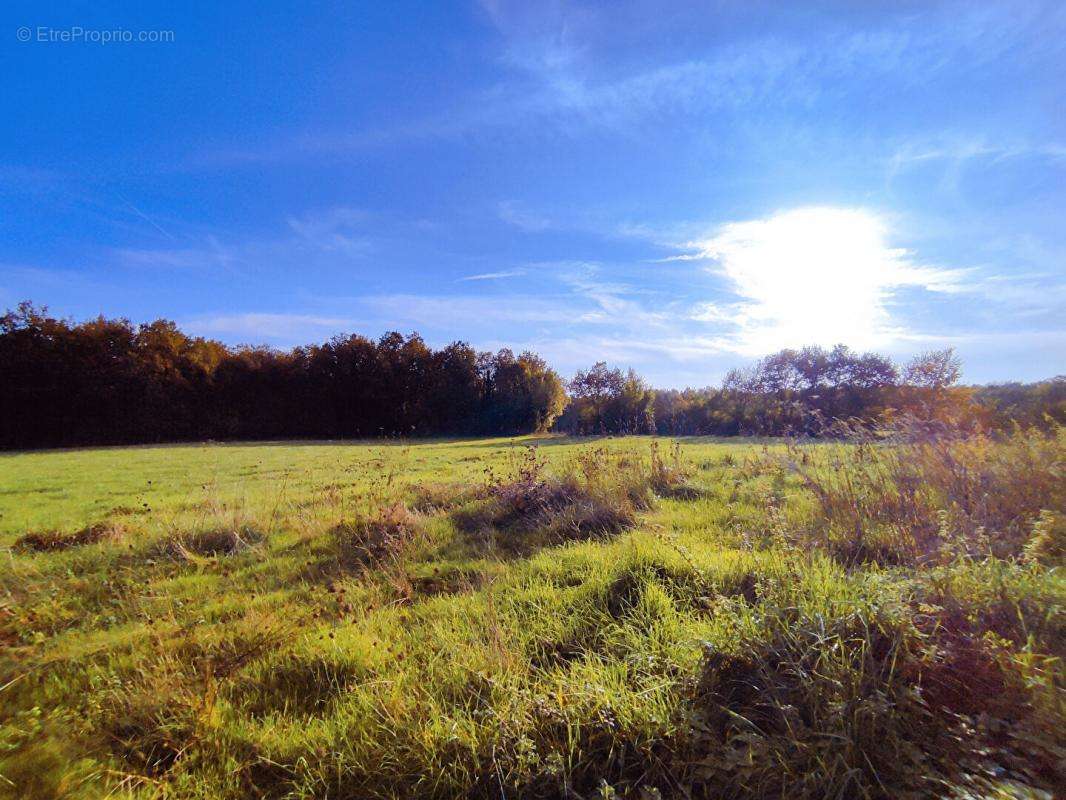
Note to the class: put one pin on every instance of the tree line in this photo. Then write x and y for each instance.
(107, 381)
(806, 392)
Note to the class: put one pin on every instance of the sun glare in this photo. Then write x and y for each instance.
(814, 276)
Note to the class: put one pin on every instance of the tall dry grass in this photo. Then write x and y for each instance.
(933, 497)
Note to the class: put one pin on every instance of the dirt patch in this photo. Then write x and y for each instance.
(60, 540)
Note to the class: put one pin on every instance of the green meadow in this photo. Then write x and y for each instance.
(534, 617)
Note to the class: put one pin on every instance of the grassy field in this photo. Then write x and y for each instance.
(534, 617)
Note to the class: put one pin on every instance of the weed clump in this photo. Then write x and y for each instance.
(211, 543)
(598, 497)
(448, 582)
(813, 709)
(1047, 544)
(384, 537)
(155, 716)
(151, 738)
(669, 474)
(296, 685)
(863, 706)
(40, 542)
(432, 497)
(240, 644)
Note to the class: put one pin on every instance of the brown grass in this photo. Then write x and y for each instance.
(59, 540)
(382, 538)
(432, 497)
(598, 496)
(670, 474)
(923, 500)
(210, 543)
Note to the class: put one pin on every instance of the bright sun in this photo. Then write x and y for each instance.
(815, 275)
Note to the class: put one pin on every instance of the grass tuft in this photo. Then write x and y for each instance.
(211, 543)
(58, 540)
(384, 537)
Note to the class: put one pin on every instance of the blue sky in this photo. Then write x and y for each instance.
(674, 187)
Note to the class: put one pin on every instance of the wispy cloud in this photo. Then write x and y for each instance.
(332, 235)
(492, 276)
(339, 229)
(560, 48)
(1023, 296)
(460, 313)
(150, 220)
(615, 303)
(956, 155)
(523, 220)
(210, 253)
(280, 328)
(554, 69)
(36, 278)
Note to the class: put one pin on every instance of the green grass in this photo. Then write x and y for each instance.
(351, 620)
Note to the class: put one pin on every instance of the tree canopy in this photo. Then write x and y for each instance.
(110, 382)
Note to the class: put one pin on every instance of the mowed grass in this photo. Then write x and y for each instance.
(543, 617)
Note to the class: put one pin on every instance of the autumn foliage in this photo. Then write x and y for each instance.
(110, 382)
(107, 381)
